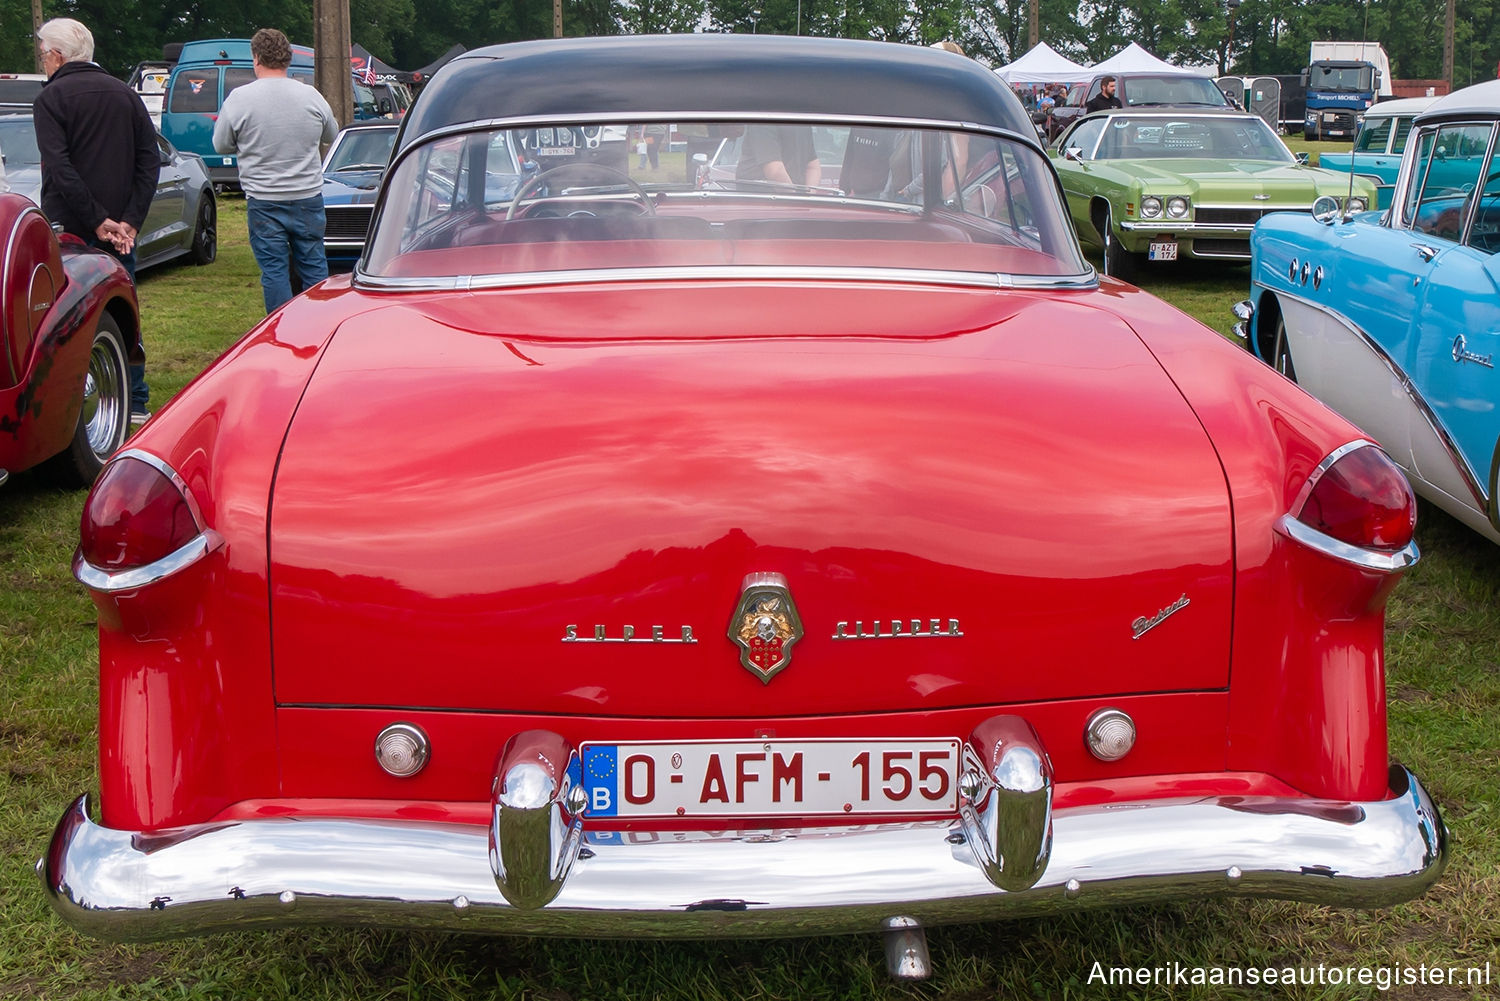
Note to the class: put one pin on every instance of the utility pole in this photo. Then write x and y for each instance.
(1034, 25)
(556, 18)
(1448, 44)
(331, 70)
(36, 25)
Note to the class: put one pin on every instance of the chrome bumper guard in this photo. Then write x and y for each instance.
(538, 869)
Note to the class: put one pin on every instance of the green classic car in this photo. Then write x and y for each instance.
(1159, 184)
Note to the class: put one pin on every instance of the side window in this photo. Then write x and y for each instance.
(195, 91)
(1403, 129)
(237, 76)
(436, 180)
(1085, 137)
(1484, 234)
(1373, 135)
(1449, 165)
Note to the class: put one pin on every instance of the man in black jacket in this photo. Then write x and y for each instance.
(99, 157)
(1104, 99)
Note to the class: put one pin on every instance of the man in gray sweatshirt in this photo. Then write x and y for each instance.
(275, 124)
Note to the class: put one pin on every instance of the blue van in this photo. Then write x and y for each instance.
(205, 73)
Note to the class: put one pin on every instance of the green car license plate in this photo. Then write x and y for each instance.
(1165, 251)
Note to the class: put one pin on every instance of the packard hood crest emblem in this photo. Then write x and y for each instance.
(765, 624)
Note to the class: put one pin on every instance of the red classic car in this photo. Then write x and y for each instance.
(68, 323)
(607, 556)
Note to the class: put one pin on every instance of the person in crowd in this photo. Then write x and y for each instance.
(275, 125)
(781, 153)
(650, 140)
(99, 159)
(1105, 98)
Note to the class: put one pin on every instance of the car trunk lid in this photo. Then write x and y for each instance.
(530, 500)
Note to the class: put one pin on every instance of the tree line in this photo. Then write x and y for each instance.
(1257, 37)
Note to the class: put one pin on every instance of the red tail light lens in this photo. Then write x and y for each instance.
(135, 515)
(1363, 499)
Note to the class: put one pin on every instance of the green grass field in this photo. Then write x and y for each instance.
(1444, 690)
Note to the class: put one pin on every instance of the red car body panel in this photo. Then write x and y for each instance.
(51, 299)
(344, 611)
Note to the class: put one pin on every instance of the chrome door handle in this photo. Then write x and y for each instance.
(1425, 252)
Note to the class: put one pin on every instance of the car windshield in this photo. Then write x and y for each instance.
(1180, 88)
(739, 194)
(18, 142)
(362, 149)
(1340, 78)
(1216, 137)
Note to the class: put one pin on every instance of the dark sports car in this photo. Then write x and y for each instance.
(183, 220)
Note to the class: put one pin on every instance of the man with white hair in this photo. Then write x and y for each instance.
(99, 157)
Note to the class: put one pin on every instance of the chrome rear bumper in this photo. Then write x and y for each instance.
(124, 885)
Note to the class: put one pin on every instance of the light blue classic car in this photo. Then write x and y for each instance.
(1393, 318)
(1379, 146)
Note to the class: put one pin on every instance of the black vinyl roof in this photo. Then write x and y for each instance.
(729, 75)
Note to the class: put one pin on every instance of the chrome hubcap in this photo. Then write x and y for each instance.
(103, 414)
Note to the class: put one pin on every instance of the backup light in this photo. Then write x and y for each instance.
(1110, 734)
(1362, 498)
(402, 749)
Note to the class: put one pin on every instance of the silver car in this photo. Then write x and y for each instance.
(183, 218)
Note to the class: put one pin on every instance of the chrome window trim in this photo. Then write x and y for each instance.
(1365, 559)
(1471, 478)
(964, 279)
(206, 541)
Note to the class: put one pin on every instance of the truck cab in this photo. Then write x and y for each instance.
(1339, 91)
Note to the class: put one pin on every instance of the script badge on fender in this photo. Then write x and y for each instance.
(765, 624)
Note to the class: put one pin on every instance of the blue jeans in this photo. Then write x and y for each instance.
(140, 393)
(286, 235)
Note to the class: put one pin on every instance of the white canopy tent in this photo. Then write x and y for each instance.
(1134, 59)
(1042, 64)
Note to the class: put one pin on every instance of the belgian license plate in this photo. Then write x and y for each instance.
(768, 778)
(557, 151)
(1162, 252)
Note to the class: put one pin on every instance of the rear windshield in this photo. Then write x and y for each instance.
(195, 91)
(665, 194)
(1182, 88)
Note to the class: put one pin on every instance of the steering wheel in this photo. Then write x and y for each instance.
(529, 187)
